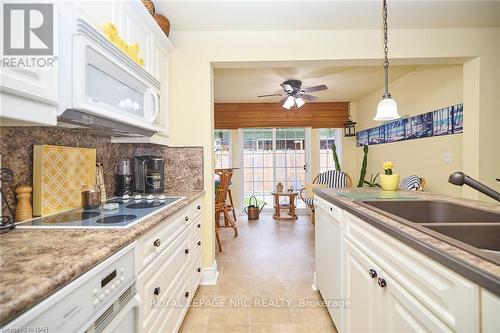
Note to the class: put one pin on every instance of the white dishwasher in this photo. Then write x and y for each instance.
(329, 254)
(101, 300)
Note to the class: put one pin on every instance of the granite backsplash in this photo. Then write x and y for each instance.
(183, 165)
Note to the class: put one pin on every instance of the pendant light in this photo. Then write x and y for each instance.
(289, 102)
(387, 108)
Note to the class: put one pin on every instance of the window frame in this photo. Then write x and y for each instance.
(338, 133)
(230, 150)
(241, 151)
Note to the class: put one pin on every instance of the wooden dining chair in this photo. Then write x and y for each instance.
(222, 206)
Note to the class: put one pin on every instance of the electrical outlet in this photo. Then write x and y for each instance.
(447, 158)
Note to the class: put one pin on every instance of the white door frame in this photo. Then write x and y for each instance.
(241, 160)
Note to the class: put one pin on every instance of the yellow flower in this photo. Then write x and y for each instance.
(388, 165)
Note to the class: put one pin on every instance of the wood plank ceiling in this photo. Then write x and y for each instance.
(245, 115)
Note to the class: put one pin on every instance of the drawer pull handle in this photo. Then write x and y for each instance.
(186, 294)
(186, 251)
(199, 207)
(157, 291)
(382, 283)
(186, 218)
(157, 242)
(199, 243)
(199, 269)
(372, 273)
(199, 225)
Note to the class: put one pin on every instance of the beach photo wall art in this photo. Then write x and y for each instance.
(445, 121)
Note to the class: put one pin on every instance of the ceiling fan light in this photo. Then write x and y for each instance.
(387, 109)
(299, 102)
(289, 102)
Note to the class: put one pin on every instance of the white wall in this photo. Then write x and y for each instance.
(196, 52)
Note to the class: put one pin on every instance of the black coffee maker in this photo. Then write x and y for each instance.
(123, 177)
(149, 174)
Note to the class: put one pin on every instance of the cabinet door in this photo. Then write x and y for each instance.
(490, 310)
(34, 91)
(401, 312)
(134, 30)
(160, 70)
(362, 291)
(97, 13)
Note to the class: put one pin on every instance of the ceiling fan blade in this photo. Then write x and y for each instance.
(315, 88)
(270, 95)
(309, 98)
(288, 88)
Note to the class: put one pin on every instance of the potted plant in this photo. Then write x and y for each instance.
(389, 181)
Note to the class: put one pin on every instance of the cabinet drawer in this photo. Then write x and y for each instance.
(196, 228)
(159, 238)
(434, 285)
(158, 282)
(195, 272)
(331, 209)
(196, 242)
(196, 209)
(171, 318)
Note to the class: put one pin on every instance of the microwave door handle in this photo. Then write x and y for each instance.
(156, 110)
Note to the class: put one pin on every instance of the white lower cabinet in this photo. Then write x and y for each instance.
(169, 270)
(362, 291)
(490, 305)
(401, 312)
(391, 287)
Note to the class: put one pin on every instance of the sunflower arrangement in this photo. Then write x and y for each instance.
(388, 166)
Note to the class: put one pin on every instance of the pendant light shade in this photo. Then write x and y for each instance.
(299, 102)
(387, 109)
(289, 102)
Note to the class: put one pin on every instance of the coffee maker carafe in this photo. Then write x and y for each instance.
(123, 177)
(149, 174)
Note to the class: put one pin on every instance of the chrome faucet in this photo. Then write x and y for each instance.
(460, 178)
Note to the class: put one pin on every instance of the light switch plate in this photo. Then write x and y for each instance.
(447, 158)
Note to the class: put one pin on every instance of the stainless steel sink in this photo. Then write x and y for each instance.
(474, 230)
(424, 211)
(484, 237)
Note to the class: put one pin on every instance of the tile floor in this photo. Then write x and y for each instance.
(265, 277)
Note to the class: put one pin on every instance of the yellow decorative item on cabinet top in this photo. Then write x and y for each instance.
(132, 50)
(59, 174)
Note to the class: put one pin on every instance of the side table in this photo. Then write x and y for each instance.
(290, 206)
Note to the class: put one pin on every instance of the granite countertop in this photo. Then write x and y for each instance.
(34, 263)
(477, 269)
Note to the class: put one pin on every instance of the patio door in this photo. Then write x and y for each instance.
(272, 156)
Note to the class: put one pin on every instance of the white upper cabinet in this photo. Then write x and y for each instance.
(30, 96)
(97, 13)
(135, 30)
(160, 64)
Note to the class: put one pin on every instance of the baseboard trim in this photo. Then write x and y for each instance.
(209, 275)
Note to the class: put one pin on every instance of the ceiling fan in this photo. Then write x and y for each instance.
(295, 95)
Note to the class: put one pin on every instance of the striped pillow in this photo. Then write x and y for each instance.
(411, 183)
(332, 178)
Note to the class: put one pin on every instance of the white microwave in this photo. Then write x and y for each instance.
(101, 87)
